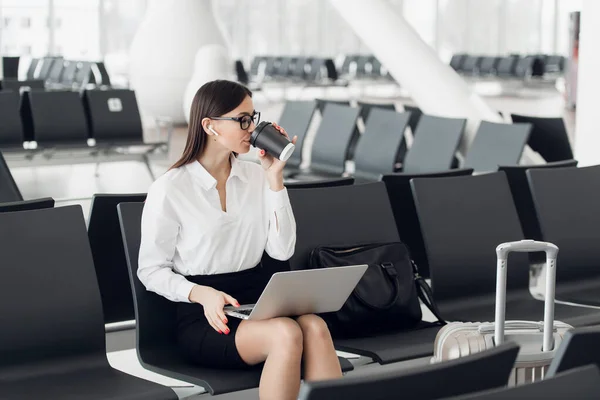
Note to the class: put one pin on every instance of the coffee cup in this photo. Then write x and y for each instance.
(265, 136)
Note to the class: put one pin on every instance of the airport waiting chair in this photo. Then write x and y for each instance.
(581, 384)
(334, 143)
(324, 216)
(519, 187)
(54, 119)
(53, 339)
(380, 146)
(9, 191)
(10, 67)
(106, 243)
(578, 348)
(496, 144)
(463, 219)
(156, 346)
(548, 137)
(435, 143)
(492, 368)
(321, 103)
(567, 207)
(113, 117)
(405, 213)
(296, 118)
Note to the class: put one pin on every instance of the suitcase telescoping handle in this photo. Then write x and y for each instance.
(526, 246)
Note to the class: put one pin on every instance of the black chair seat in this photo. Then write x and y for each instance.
(88, 383)
(519, 306)
(36, 204)
(394, 346)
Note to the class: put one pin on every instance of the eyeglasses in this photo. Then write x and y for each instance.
(245, 120)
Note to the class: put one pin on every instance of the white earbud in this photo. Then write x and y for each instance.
(212, 130)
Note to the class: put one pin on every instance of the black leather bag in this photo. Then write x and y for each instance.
(387, 296)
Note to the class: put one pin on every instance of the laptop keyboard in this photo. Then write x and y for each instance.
(245, 311)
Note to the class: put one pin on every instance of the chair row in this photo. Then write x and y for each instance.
(461, 219)
(512, 66)
(382, 147)
(58, 72)
(573, 373)
(67, 118)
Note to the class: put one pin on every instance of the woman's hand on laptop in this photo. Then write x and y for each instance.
(213, 302)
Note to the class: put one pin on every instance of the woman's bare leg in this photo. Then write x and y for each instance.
(278, 342)
(320, 360)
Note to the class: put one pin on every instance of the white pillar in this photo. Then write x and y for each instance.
(587, 133)
(163, 50)
(434, 86)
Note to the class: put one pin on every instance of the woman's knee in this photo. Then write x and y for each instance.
(314, 327)
(286, 334)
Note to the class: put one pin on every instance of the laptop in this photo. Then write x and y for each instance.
(294, 293)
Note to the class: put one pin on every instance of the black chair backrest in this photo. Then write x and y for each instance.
(335, 137)
(405, 213)
(152, 312)
(46, 66)
(106, 241)
(56, 117)
(26, 205)
(84, 73)
(324, 216)
(567, 204)
(55, 73)
(488, 65)
(68, 76)
(332, 73)
(320, 183)
(579, 347)
(11, 128)
(519, 187)
(492, 368)
(415, 116)
(379, 148)
(9, 191)
(100, 69)
(16, 85)
(507, 65)
(296, 118)
(548, 137)
(434, 146)
(48, 249)
(32, 67)
(365, 108)
(471, 64)
(554, 64)
(497, 144)
(113, 116)
(581, 384)
(10, 67)
(463, 219)
(457, 60)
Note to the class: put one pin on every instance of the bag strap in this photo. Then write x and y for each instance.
(426, 294)
(392, 275)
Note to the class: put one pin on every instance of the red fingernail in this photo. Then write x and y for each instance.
(220, 333)
(227, 332)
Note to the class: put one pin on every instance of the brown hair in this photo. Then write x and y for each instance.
(213, 99)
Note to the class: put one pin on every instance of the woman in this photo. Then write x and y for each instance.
(205, 226)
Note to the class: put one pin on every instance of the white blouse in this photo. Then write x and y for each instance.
(186, 232)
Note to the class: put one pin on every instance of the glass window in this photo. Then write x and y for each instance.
(24, 27)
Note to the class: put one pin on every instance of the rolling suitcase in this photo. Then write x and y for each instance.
(538, 341)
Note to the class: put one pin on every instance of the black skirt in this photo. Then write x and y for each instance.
(198, 341)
